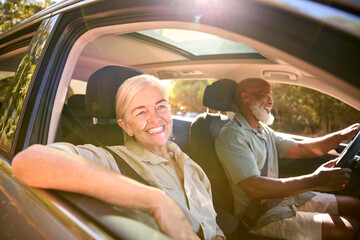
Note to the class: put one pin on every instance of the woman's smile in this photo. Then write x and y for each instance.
(156, 130)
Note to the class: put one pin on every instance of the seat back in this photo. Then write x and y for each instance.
(100, 104)
(220, 97)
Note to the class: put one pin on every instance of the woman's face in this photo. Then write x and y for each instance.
(148, 118)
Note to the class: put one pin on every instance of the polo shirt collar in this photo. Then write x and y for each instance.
(240, 119)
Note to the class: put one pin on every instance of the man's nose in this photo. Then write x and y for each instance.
(271, 101)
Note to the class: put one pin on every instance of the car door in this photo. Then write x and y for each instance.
(25, 212)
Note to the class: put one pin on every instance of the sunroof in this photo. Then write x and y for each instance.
(198, 43)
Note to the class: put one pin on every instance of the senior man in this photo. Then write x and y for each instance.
(249, 151)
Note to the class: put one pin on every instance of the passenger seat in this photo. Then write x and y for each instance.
(99, 104)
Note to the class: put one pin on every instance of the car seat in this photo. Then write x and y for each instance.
(203, 131)
(99, 104)
(218, 96)
(75, 104)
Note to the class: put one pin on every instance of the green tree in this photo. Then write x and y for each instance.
(307, 112)
(15, 11)
(186, 96)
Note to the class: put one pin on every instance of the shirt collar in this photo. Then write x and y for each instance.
(245, 125)
(144, 154)
(147, 156)
(242, 121)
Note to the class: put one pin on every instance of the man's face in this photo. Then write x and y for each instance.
(261, 103)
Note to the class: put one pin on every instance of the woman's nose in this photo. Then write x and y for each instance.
(153, 116)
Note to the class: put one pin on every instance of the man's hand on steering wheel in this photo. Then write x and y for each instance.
(350, 132)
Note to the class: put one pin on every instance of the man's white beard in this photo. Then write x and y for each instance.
(261, 114)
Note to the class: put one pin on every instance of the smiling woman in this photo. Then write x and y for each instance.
(144, 115)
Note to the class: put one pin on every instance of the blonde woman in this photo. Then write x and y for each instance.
(143, 112)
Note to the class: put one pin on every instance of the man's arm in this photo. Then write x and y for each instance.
(44, 167)
(320, 146)
(324, 178)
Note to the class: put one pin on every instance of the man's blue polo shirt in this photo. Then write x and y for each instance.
(242, 152)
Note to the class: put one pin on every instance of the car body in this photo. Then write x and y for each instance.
(304, 43)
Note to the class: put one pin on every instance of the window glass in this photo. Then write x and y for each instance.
(198, 43)
(5, 80)
(306, 112)
(15, 97)
(186, 97)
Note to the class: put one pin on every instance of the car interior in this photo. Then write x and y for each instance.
(104, 57)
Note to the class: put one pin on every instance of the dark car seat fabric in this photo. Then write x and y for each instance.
(218, 96)
(101, 90)
(99, 103)
(75, 104)
(180, 133)
(203, 132)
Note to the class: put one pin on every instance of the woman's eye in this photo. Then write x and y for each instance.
(162, 107)
(140, 113)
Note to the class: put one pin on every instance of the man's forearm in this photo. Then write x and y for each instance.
(325, 178)
(270, 188)
(319, 146)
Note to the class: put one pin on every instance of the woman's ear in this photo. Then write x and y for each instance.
(125, 126)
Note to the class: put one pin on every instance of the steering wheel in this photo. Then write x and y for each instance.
(347, 155)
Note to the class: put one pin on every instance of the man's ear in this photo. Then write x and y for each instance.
(245, 97)
(125, 126)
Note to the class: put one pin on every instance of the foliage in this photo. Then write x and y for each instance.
(297, 110)
(186, 96)
(304, 111)
(15, 11)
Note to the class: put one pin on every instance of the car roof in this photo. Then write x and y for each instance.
(168, 61)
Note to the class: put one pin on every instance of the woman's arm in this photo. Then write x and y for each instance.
(44, 167)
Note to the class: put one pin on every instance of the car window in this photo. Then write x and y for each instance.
(17, 90)
(306, 112)
(4, 86)
(186, 97)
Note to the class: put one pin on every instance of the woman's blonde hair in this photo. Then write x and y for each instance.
(133, 86)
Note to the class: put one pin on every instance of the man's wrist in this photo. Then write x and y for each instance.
(312, 182)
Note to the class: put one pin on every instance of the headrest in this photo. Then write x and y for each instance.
(102, 88)
(77, 101)
(220, 95)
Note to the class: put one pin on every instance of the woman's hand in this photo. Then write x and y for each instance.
(171, 219)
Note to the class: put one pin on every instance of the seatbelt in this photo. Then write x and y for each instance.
(255, 208)
(124, 167)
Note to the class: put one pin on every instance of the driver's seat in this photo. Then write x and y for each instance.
(203, 132)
